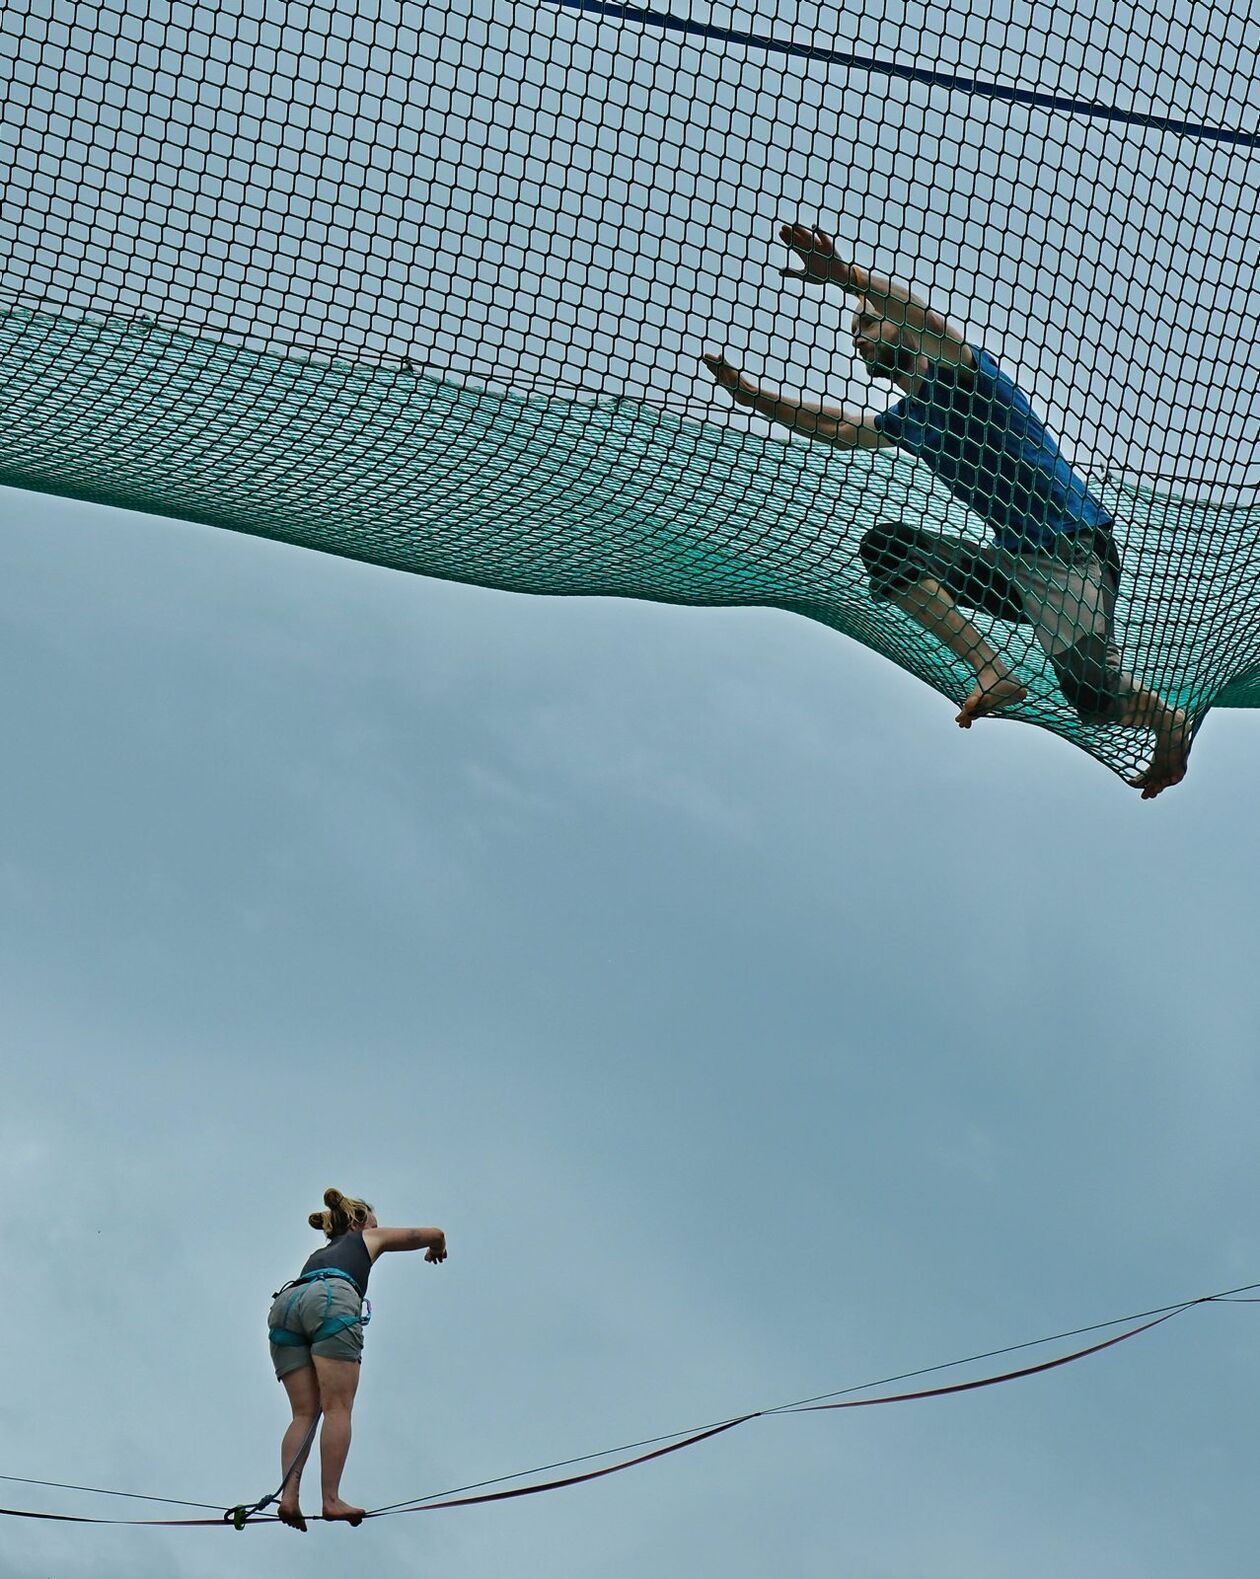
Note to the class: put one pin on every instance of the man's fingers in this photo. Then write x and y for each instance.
(727, 375)
(798, 238)
(742, 390)
(804, 238)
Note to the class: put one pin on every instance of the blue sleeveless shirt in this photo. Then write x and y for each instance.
(982, 438)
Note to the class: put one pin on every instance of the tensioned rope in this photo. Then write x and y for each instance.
(432, 287)
(477, 1493)
(691, 27)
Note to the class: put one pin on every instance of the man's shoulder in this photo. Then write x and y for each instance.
(987, 380)
(974, 365)
(984, 365)
(892, 418)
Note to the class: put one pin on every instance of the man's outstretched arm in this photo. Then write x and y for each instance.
(934, 336)
(843, 426)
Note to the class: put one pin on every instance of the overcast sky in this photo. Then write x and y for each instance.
(752, 1031)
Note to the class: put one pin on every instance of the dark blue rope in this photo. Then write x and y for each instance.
(933, 79)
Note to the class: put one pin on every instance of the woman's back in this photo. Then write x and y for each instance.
(346, 1253)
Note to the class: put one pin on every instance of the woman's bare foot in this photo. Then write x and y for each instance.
(995, 689)
(1171, 757)
(344, 1511)
(289, 1513)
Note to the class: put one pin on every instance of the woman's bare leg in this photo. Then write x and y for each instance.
(929, 603)
(303, 1390)
(338, 1380)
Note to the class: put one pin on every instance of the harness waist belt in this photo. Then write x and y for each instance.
(315, 1276)
(284, 1335)
(328, 1271)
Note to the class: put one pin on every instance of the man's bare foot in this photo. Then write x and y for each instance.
(995, 689)
(1171, 758)
(344, 1511)
(289, 1513)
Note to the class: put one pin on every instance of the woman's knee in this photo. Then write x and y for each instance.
(338, 1380)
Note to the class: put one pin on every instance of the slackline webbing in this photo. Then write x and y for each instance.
(471, 1496)
(431, 287)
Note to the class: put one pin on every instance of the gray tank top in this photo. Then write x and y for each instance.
(348, 1253)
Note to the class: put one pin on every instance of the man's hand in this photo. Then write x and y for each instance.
(436, 1253)
(743, 391)
(819, 263)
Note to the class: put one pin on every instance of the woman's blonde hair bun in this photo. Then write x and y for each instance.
(341, 1213)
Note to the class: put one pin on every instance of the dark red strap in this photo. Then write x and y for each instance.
(660, 1452)
(81, 1518)
(452, 1502)
(984, 1381)
(574, 1480)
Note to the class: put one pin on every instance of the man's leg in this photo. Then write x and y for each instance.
(1171, 728)
(1071, 603)
(930, 603)
(927, 577)
(1100, 691)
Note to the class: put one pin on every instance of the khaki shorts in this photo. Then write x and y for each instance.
(1067, 594)
(303, 1311)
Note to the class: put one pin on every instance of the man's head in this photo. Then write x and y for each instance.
(886, 347)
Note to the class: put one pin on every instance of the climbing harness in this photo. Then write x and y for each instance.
(331, 1325)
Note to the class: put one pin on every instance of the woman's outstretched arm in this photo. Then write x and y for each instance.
(431, 1240)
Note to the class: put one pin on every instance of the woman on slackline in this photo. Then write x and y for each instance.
(316, 1332)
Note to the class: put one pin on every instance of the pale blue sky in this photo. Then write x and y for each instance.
(751, 1030)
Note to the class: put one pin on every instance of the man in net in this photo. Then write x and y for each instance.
(1052, 563)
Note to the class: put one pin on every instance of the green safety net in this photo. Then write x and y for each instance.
(429, 286)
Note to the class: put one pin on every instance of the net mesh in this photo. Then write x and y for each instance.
(431, 289)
